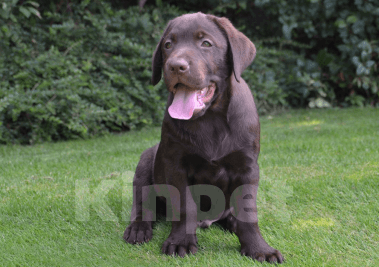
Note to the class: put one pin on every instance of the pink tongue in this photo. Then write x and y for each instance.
(183, 105)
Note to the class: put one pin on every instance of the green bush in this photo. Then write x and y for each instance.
(281, 78)
(76, 69)
(313, 53)
(343, 36)
(78, 73)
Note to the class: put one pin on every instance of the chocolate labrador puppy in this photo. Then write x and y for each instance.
(205, 167)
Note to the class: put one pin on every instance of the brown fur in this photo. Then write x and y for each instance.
(219, 146)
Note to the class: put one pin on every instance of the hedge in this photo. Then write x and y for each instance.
(77, 69)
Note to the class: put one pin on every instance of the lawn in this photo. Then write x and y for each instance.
(318, 199)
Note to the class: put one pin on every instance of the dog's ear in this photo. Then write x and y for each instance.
(158, 58)
(242, 50)
(157, 64)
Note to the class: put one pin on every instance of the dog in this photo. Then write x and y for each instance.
(207, 157)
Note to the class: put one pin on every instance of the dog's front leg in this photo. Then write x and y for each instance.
(245, 218)
(140, 229)
(182, 239)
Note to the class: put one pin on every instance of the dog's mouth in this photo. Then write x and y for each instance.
(188, 102)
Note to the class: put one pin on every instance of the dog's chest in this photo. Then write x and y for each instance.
(221, 172)
(201, 171)
(211, 141)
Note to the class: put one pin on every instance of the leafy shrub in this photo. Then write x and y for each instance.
(327, 50)
(77, 73)
(343, 37)
(282, 78)
(76, 69)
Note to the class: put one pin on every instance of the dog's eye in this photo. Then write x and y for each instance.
(206, 44)
(168, 45)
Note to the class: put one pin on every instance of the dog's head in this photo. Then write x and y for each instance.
(197, 53)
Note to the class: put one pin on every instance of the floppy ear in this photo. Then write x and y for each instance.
(242, 50)
(157, 64)
(158, 59)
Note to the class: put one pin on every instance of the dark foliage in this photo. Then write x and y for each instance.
(75, 69)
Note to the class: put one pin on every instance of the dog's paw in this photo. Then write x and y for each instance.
(138, 232)
(269, 254)
(180, 246)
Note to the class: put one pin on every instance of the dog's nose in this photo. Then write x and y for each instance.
(178, 66)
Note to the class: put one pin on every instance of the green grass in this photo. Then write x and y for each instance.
(318, 198)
